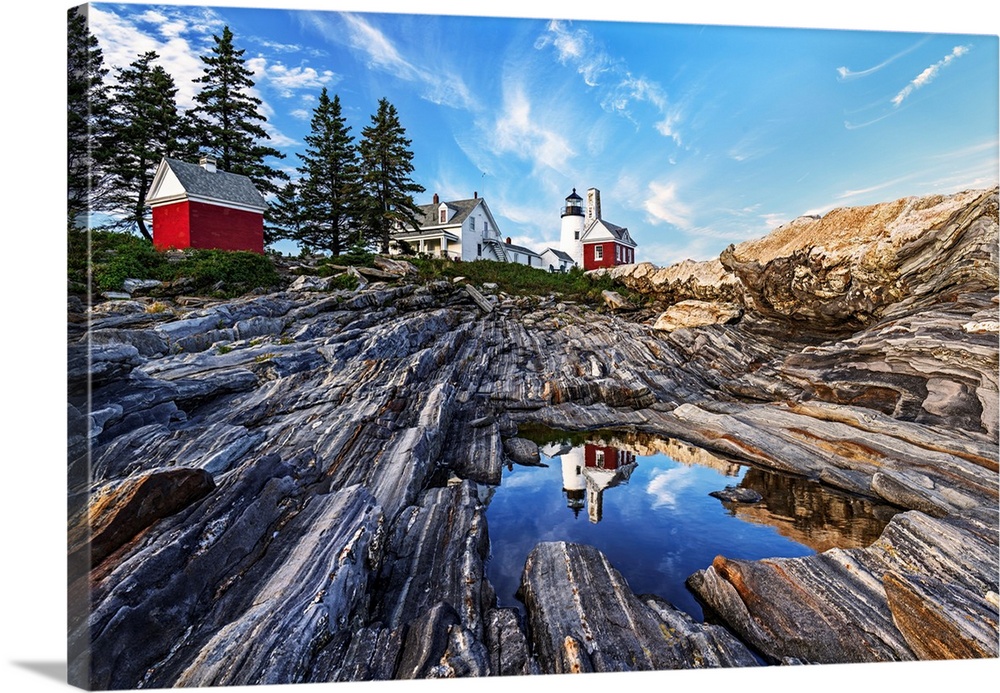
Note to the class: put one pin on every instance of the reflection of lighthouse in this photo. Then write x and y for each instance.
(587, 471)
(574, 485)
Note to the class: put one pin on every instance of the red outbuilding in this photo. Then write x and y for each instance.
(199, 206)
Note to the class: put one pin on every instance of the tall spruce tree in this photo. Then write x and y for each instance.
(87, 105)
(330, 185)
(147, 127)
(386, 165)
(284, 218)
(228, 118)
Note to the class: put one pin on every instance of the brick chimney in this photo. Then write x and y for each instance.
(475, 195)
(437, 200)
(207, 163)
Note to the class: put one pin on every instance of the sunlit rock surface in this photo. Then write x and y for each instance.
(328, 453)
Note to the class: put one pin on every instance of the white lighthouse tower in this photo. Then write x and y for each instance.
(572, 228)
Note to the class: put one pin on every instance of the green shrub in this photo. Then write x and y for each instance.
(344, 281)
(112, 257)
(522, 280)
(239, 271)
(120, 256)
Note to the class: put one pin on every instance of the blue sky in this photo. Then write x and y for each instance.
(698, 135)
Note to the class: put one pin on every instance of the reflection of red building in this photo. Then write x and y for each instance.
(604, 457)
(588, 471)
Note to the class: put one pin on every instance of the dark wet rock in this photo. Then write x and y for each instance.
(583, 617)
(736, 494)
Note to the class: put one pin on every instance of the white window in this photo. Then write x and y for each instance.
(443, 215)
(472, 223)
(598, 252)
(618, 253)
(479, 249)
(599, 458)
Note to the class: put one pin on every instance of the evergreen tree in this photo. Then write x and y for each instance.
(86, 118)
(386, 165)
(330, 185)
(147, 126)
(284, 219)
(228, 118)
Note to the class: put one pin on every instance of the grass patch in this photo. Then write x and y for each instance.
(517, 279)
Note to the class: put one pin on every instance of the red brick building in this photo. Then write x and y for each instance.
(199, 206)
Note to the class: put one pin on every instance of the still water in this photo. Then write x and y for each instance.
(644, 503)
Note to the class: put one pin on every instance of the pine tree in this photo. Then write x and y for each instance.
(228, 117)
(86, 119)
(386, 165)
(330, 184)
(147, 127)
(284, 219)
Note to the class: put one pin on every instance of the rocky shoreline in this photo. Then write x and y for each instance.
(289, 487)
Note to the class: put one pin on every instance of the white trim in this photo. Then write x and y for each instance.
(174, 199)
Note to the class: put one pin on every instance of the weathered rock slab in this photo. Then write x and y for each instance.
(583, 617)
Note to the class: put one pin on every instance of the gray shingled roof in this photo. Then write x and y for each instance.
(558, 253)
(221, 185)
(521, 249)
(429, 213)
(619, 232)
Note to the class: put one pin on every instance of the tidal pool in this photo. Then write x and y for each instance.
(644, 502)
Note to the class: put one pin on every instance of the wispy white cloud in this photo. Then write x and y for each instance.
(289, 80)
(618, 87)
(517, 131)
(439, 86)
(662, 205)
(857, 126)
(928, 75)
(844, 74)
(862, 192)
(123, 39)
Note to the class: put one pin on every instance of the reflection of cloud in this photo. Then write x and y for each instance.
(526, 480)
(664, 486)
(928, 75)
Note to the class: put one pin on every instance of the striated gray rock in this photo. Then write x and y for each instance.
(811, 602)
(584, 617)
(294, 475)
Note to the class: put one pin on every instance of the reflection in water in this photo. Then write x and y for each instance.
(588, 471)
(810, 514)
(647, 509)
